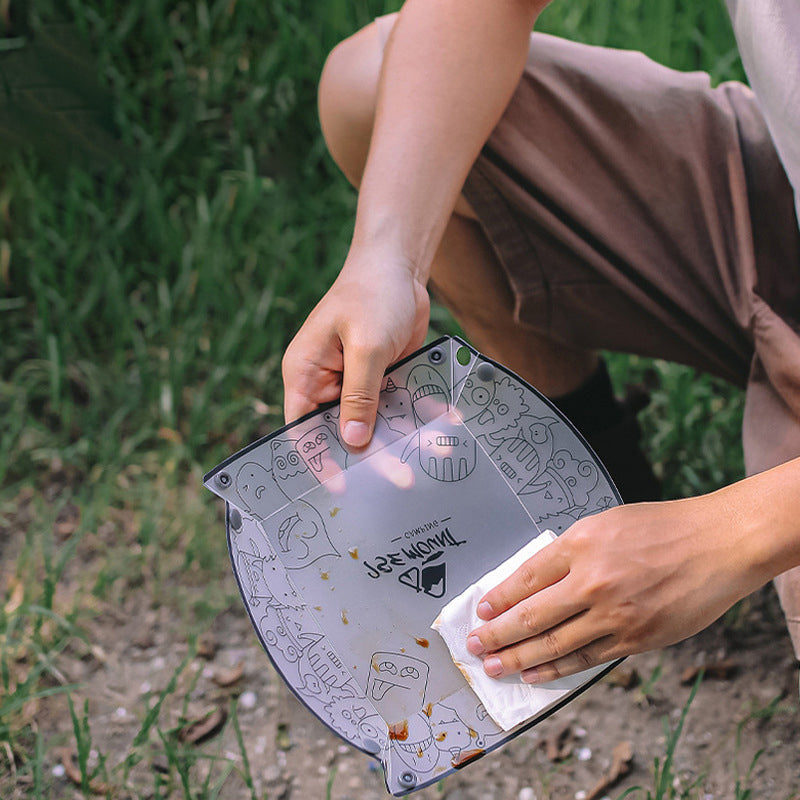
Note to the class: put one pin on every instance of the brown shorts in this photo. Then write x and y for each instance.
(635, 208)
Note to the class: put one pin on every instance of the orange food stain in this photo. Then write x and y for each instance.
(428, 710)
(324, 576)
(441, 737)
(335, 510)
(422, 642)
(353, 552)
(344, 617)
(399, 731)
(375, 667)
(317, 608)
(472, 734)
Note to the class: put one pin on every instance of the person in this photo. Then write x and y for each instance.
(562, 199)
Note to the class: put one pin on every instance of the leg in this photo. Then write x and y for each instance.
(466, 275)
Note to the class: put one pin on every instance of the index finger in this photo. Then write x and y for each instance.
(541, 570)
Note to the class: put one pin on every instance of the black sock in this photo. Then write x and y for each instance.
(592, 407)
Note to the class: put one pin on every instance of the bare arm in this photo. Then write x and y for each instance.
(448, 73)
(640, 577)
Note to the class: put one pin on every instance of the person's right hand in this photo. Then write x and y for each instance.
(375, 313)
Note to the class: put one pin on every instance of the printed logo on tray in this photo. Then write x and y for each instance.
(421, 552)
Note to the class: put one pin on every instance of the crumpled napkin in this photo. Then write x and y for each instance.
(508, 701)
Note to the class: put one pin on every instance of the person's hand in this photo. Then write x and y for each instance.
(375, 313)
(630, 579)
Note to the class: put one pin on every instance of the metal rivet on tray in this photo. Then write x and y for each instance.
(371, 746)
(408, 780)
(485, 371)
(436, 355)
(235, 519)
(223, 480)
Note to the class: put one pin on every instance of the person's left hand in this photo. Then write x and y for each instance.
(630, 579)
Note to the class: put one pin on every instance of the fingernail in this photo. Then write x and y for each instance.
(492, 666)
(484, 610)
(474, 645)
(355, 433)
(531, 676)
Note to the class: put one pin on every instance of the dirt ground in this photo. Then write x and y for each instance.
(747, 704)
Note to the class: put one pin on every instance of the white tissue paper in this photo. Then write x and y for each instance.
(508, 700)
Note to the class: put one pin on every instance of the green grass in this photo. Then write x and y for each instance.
(149, 286)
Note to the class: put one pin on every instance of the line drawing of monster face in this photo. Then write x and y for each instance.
(416, 749)
(430, 397)
(266, 580)
(253, 485)
(322, 452)
(289, 471)
(301, 536)
(394, 405)
(396, 684)
(447, 450)
(492, 407)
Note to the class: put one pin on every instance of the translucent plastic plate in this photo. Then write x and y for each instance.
(344, 559)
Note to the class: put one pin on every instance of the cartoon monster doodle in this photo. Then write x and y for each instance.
(280, 630)
(255, 487)
(395, 406)
(451, 734)
(289, 471)
(265, 580)
(447, 450)
(523, 456)
(430, 397)
(396, 684)
(563, 487)
(355, 719)
(322, 452)
(493, 406)
(320, 669)
(300, 537)
(413, 740)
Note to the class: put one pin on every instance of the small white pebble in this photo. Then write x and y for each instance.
(261, 745)
(158, 662)
(281, 756)
(248, 700)
(342, 749)
(584, 753)
(208, 673)
(580, 795)
(580, 733)
(120, 712)
(59, 771)
(526, 793)
(145, 687)
(231, 756)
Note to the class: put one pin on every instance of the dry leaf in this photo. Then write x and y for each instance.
(206, 646)
(17, 595)
(227, 677)
(204, 728)
(74, 774)
(621, 764)
(559, 744)
(625, 678)
(722, 670)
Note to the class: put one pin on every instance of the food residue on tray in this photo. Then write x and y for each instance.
(399, 731)
(344, 617)
(353, 553)
(422, 642)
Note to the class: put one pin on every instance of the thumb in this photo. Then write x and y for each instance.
(361, 385)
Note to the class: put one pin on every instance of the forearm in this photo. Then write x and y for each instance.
(448, 73)
(764, 512)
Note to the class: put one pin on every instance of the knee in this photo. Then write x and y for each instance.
(347, 93)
